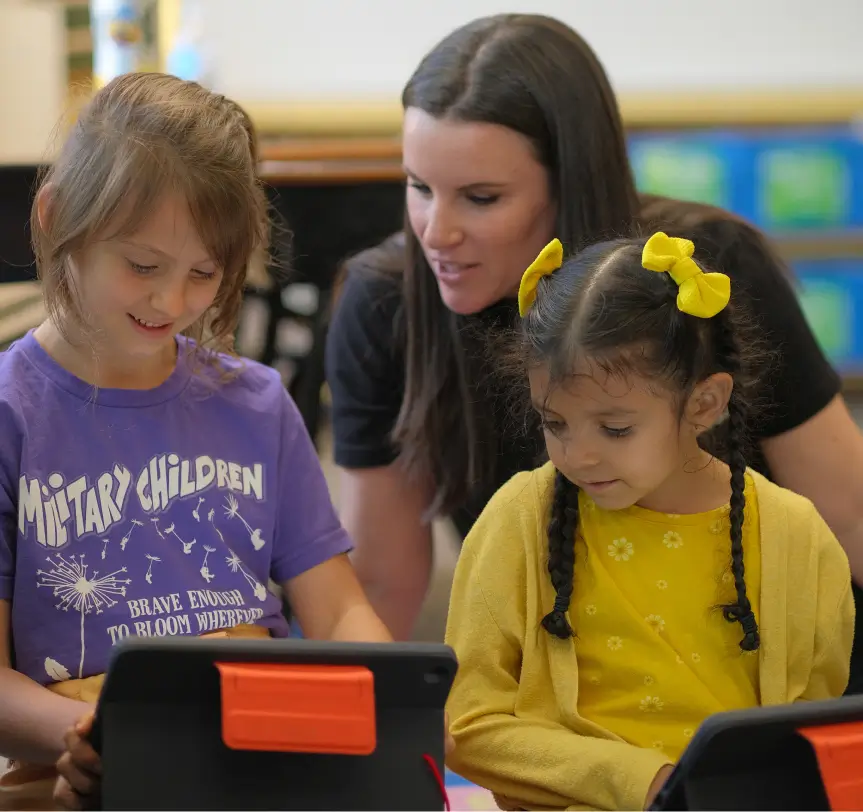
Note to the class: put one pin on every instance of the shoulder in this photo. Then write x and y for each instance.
(238, 381)
(724, 241)
(514, 519)
(793, 521)
(369, 289)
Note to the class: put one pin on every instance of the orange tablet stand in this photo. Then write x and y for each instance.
(839, 751)
(298, 708)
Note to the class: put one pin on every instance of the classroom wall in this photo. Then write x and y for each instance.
(341, 48)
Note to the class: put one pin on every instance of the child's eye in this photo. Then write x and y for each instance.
(142, 269)
(204, 275)
(419, 187)
(617, 432)
(553, 426)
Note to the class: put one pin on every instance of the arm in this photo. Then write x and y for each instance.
(33, 720)
(834, 621)
(823, 460)
(505, 741)
(330, 604)
(383, 514)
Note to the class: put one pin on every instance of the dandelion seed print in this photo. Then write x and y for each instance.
(205, 570)
(156, 525)
(195, 514)
(135, 523)
(152, 559)
(232, 511)
(259, 590)
(105, 543)
(81, 592)
(187, 545)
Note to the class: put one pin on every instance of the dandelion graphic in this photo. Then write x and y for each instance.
(135, 523)
(205, 570)
(651, 704)
(156, 525)
(232, 511)
(105, 543)
(621, 550)
(187, 545)
(149, 576)
(197, 507)
(233, 561)
(672, 540)
(80, 592)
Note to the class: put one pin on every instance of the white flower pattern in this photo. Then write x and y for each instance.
(672, 540)
(651, 704)
(615, 643)
(621, 549)
(656, 623)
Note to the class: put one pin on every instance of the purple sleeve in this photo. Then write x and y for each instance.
(8, 508)
(308, 531)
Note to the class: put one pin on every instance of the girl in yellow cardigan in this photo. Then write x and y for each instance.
(608, 602)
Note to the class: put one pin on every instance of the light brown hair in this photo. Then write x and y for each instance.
(142, 136)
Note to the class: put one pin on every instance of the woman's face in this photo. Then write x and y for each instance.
(479, 203)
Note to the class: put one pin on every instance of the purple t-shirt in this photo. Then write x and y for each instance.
(149, 512)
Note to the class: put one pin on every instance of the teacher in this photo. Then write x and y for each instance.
(512, 136)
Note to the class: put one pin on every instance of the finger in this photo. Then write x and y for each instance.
(82, 781)
(82, 753)
(64, 796)
(84, 725)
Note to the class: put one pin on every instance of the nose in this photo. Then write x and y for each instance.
(581, 455)
(442, 228)
(169, 297)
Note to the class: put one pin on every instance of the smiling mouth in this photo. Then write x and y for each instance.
(150, 324)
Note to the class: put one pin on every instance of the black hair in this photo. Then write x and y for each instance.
(603, 305)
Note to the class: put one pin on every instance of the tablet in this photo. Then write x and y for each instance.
(235, 723)
(797, 756)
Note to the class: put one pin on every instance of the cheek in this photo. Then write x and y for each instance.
(417, 209)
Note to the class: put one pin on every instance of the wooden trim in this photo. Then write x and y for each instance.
(641, 110)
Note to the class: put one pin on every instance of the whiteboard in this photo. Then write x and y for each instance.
(297, 50)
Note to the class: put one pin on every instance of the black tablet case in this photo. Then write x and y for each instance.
(756, 759)
(158, 728)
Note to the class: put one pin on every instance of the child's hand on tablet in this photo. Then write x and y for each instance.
(80, 769)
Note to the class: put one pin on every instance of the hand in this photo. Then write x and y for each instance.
(80, 769)
(656, 785)
(449, 741)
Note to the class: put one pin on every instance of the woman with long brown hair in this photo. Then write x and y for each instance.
(512, 136)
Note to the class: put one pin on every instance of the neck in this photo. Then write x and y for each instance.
(701, 483)
(93, 361)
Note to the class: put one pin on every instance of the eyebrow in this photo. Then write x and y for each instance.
(485, 184)
(159, 252)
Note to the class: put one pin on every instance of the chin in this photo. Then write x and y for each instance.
(465, 304)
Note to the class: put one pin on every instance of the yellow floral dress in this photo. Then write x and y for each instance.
(655, 654)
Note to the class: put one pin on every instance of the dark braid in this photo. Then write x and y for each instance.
(561, 554)
(741, 611)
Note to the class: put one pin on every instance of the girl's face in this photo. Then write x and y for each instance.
(139, 291)
(623, 440)
(479, 203)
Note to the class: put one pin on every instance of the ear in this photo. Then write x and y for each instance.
(708, 401)
(43, 205)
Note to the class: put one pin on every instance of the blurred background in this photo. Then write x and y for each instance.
(752, 105)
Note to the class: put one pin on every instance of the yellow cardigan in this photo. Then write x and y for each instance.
(514, 704)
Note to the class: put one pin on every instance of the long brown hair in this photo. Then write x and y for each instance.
(536, 76)
(141, 136)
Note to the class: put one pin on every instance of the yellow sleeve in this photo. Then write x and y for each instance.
(524, 755)
(834, 626)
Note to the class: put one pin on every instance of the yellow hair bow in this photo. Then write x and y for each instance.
(700, 294)
(548, 261)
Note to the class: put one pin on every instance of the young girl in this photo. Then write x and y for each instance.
(608, 602)
(150, 482)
